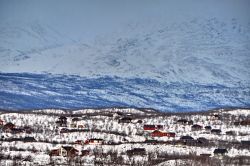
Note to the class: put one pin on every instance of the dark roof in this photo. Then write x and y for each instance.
(69, 148)
(97, 139)
(126, 118)
(149, 126)
(202, 140)
(230, 133)
(139, 121)
(245, 142)
(151, 141)
(208, 127)
(157, 131)
(17, 130)
(62, 118)
(182, 120)
(245, 122)
(220, 151)
(186, 137)
(139, 149)
(75, 119)
(29, 139)
(216, 130)
(196, 126)
(9, 124)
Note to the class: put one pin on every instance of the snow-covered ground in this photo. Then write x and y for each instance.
(103, 124)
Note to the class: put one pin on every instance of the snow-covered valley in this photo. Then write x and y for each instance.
(38, 135)
(125, 82)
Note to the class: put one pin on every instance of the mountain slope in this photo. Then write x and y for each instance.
(195, 51)
(31, 91)
(193, 65)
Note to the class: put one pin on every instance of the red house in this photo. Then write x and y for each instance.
(79, 142)
(152, 127)
(8, 127)
(94, 141)
(1, 122)
(158, 133)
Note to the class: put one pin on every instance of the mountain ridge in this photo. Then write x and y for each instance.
(164, 53)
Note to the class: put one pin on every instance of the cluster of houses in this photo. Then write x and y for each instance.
(154, 130)
(13, 129)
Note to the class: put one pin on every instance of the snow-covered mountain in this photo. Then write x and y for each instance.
(31, 91)
(165, 55)
(195, 51)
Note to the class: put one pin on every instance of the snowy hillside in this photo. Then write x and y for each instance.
(170, 56)
(30, 91)
(204, 51)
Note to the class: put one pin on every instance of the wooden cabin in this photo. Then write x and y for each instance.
(245, 122)
(125, 120)
(8, 127)
(158, 133)
(196, 127)
(220, 152)
(208, 128)
(65, 151)
(62, 121)
(153, 127)
(187, 139)
(185, 122)
(85, 152)
(94, 141)
(215, 131)
(1, 122)
(136, 151)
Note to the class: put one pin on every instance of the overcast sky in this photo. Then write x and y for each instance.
(77, 18)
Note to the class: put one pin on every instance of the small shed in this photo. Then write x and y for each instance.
(158, 133)
(245, 143)
(85, 152)
(196, 127)
(153, 127)
(220, 152)
(187, 139)
(29, 139)
(136, 151)
(1, 122)
(245, 122)
(216, 131)
(65, 151)
(94, 141)
(185, 122)
(8, 127)
(202, 140)
(208, 128)
(125, 120)
(62, 121)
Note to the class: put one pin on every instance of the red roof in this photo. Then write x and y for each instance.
(158, 133)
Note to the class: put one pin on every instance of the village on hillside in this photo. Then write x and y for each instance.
(124, 136)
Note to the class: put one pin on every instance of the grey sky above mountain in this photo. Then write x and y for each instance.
(84, 18)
